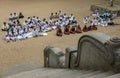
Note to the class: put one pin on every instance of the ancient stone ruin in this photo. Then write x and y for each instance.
(96, 56)
(94, 52)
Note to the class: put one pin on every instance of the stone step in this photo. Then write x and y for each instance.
(114, 76)
(62, 73)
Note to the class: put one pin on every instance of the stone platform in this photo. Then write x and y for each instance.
(105, 6)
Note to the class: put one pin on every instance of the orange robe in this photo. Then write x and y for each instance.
(78, 29)
(94, 27)
(66, 31)
(85, 28)
(72, 30)
(59, 32)
(90, 28)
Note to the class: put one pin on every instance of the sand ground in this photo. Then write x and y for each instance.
(31, 50)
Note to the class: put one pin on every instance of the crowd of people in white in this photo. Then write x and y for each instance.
(104, 19)
(33, 26)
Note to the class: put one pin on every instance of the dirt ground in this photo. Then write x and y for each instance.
(31, 50)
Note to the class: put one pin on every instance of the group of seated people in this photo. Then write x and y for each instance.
(74, 29)
(104, 19)
(14, 16)
(34, 26)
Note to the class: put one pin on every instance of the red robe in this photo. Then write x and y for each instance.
(90, 28)
(78, 29)
(72, 30)
(59, 32)
(66, 31)
(85, 28)
(94, 27)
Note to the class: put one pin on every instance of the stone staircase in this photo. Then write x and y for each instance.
(62, 73)
(95, 54)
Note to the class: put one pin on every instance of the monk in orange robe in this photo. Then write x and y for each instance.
(66, 30)
(78, 29)
(85, 28)
(94, 27)
(59, 32)
(90, 28)
(72, 30)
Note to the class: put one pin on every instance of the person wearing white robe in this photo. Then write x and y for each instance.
(5, 26)
(7, 37)
(34, 32)
(103, 23)
(25, 24)
(15, 16)
(11, 16)
(71, 18)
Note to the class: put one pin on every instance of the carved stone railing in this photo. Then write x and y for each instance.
(70, 57)
(94, 51)
(53, 57)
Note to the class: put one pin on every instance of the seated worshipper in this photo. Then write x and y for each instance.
(96, 13)
(35, 32)
(31, 25)
(15, 16)
(103, 23)
(25, 24)
(66, 30)
(47, 27)
(51, 16)
(56, 15)
(50, 22)
(7, 37)
(74, 20)
(72, 30)
(18, 23)
(110, 22)
(12, 37)
(85, 28)
(71, 18)
(94, 27)
(5, 27)
(60, 13)
(34, 20)
(78, 29)
(11, 16)
(86, 20)
(95, 21)
(90, 28)
(21, 15)
(114, 15)
(59, 31)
